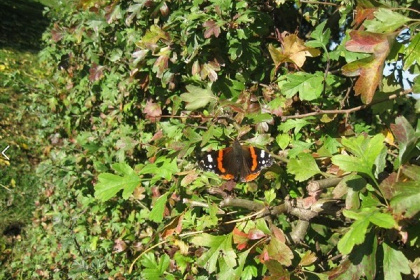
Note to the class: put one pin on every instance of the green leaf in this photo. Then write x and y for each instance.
(395, 263)
(154, 270)
(321, 38)
(385, 21)
(383, 220)
(197, 97)
(366, 153)
(219, 247)
(283, 140)
(303, 167)
(156, 215)
(355, 236)
(309, 86)
(296, 124)
(228, 272)
(412, 53)
(407, 201)
(109, 184)
(406, 137)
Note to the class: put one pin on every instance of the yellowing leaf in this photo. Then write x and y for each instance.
(293, 50)
(197, 97)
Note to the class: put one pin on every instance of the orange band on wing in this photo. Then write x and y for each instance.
(251, 177)
(220, 162)
(227, 176)
(254, 159)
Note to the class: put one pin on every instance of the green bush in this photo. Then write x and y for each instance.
(142, 89)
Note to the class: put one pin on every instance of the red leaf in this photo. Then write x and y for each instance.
(255, 234)
(152, 111)
(96, 72)
(368, 69)
(240, 238)
(211, 29)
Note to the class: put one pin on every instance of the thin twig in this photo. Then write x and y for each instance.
(346, 111)
(144, 252)
(318, 3)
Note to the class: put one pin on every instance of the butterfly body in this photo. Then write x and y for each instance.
(238, 163)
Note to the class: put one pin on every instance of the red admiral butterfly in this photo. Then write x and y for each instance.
(238, 163)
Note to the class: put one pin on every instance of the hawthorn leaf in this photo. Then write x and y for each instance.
(309, 86)
(240, 238)
(156, 214)
(228, 272)
(219, 247)
(383, 220)
(212, 28)
(293, 50)
(197, 97)
(96, 72)
(279, 251)
(366, 152)
(406, 202)
(355, 236)
(412, 172)
(385, 21)
(303, 167)
(277, 270)
(321, 37)
(161, 63)
(412, 52)
(394, 263)
(153, 269)
(110, 184)
(406, 137)
(368, 69)
(296, 124)
(152, 110)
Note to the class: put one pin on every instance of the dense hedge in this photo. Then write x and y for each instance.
(141, 89)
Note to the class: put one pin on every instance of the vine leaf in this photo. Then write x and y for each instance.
(109, 184)
(220, 247)
(368, 69)
(395, 263)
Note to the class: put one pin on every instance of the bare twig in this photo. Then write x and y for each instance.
(318, 3)
(314, 186)
(299, 231)
(346, 111)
